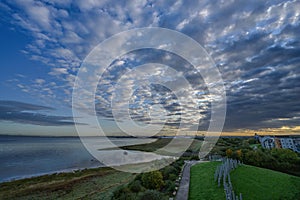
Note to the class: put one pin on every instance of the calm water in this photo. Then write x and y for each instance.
(31, 156)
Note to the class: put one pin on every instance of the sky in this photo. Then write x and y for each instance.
(255, 46)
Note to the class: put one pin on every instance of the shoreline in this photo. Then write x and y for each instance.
(97, 183)
(88, 161)
(69, 170)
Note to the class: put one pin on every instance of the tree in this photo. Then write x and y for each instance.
(239, 154)
(153, 180)
(229, 153)
(252, 141)
(285, 155)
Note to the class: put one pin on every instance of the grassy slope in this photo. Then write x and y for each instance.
(92, 184)
(150, 147)
(202, 184)
(253, 182)
(263, 184)
(162, 142)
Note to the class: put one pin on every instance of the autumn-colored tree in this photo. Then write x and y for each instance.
(229, 153)
(239, 154)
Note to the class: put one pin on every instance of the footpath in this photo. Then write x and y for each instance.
(183, 191)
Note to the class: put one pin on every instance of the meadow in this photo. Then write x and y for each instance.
(253, 182)
(99, 183)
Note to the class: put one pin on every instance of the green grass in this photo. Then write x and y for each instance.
(202, 184)
(253, 182)
(255, 145)
(263, 184)
(150, 147)
(87, 184)
(176, 145)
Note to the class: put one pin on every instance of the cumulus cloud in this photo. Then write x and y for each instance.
(254, 44)
(58, 71)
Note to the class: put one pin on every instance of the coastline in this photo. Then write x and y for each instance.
(92, 183)
(47, 155)
(54, 172)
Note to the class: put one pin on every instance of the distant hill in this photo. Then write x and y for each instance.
(253, 182)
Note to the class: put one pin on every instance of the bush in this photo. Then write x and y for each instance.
(153, 180)
(169, 187)
(252, 141)
(128, 196)
(283, 160)
(169, 170)
(136, 186)
(173, 177)
(285, 155)
(151, 195)
(195, 157)
(138, 177)
(177, 166)
(119, 193)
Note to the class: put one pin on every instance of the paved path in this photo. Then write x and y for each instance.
(183, 191)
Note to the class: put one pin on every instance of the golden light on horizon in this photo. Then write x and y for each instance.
(284, 130)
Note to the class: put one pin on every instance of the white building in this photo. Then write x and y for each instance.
(287, 143)
(267, 142)
(284, 142)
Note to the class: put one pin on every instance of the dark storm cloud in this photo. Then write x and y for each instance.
(25, 113)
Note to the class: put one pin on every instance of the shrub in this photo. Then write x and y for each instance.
(151, 195)
(167, 171)
(153, 180)
(169, 187)
(136, 186)
(128, 196)
(177, 166)
(195, 157)
(138, 177)
(173, 177)
(119, 193)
